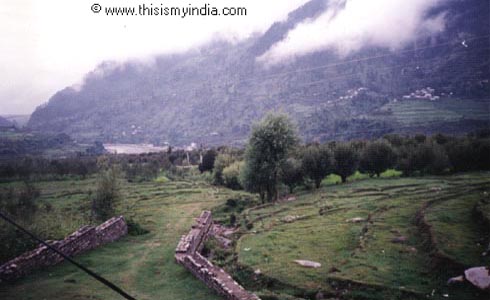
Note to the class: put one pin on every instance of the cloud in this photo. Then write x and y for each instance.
(350, 25)
(50, 44)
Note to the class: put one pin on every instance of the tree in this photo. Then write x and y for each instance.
(292, 173)
(208, 159)
(270, 143)
(346, 160)
(107, 193)
(377, 157)
(317, 162)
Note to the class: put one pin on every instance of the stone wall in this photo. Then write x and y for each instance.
(82, 240)
(188, 254)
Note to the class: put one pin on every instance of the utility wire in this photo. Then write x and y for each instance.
(86, 270)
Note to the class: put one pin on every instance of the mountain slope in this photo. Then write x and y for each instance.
(212, 95)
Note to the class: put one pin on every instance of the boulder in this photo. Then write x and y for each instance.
(356, 220)
(289, 219)
(308, 263)
(479, 277)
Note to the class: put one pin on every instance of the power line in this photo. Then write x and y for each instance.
(86, 270)
(367, 58)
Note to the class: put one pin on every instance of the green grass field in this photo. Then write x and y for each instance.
(142, 265)
(363, 253)
(368, 265)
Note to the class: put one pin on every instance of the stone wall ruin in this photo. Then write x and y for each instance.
(82, 240)
(188, 254)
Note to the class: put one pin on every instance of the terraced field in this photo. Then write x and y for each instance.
(359, 259)
(417, 112)
(142, 265)
(368, 239)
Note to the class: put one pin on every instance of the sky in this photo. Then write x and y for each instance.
(47, 45)
(51, 44)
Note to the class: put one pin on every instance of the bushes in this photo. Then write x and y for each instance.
(231, 175)
(135, 228)
(20, 204)
(106, 195)
(222, 161)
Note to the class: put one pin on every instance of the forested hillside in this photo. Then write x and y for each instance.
(212, 95)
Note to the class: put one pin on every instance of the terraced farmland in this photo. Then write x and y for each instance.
(418, 112)
(142, 265)
(368, 239)
(358, 256)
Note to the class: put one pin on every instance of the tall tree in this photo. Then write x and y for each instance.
(270, 142)
(317, 162)
(346, 160)
(377, 157)
(208, 159)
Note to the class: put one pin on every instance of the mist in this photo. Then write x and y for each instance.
(348, 26)
(48, 45)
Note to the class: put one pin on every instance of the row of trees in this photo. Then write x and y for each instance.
(137, 167)
(274, 157)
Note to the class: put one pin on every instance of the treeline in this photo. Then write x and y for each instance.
(35, 167)
(136, 167)
(275, 158)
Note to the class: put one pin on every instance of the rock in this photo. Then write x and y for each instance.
(399, 240)
(455, 280)
(289, 219)
(479, 277)
(355, 220)
(412, 250)
(435, 189)
(308, 263)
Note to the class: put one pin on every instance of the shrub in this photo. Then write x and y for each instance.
(222, 161)
(231, 175)
(135, 228)
(106, 195)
